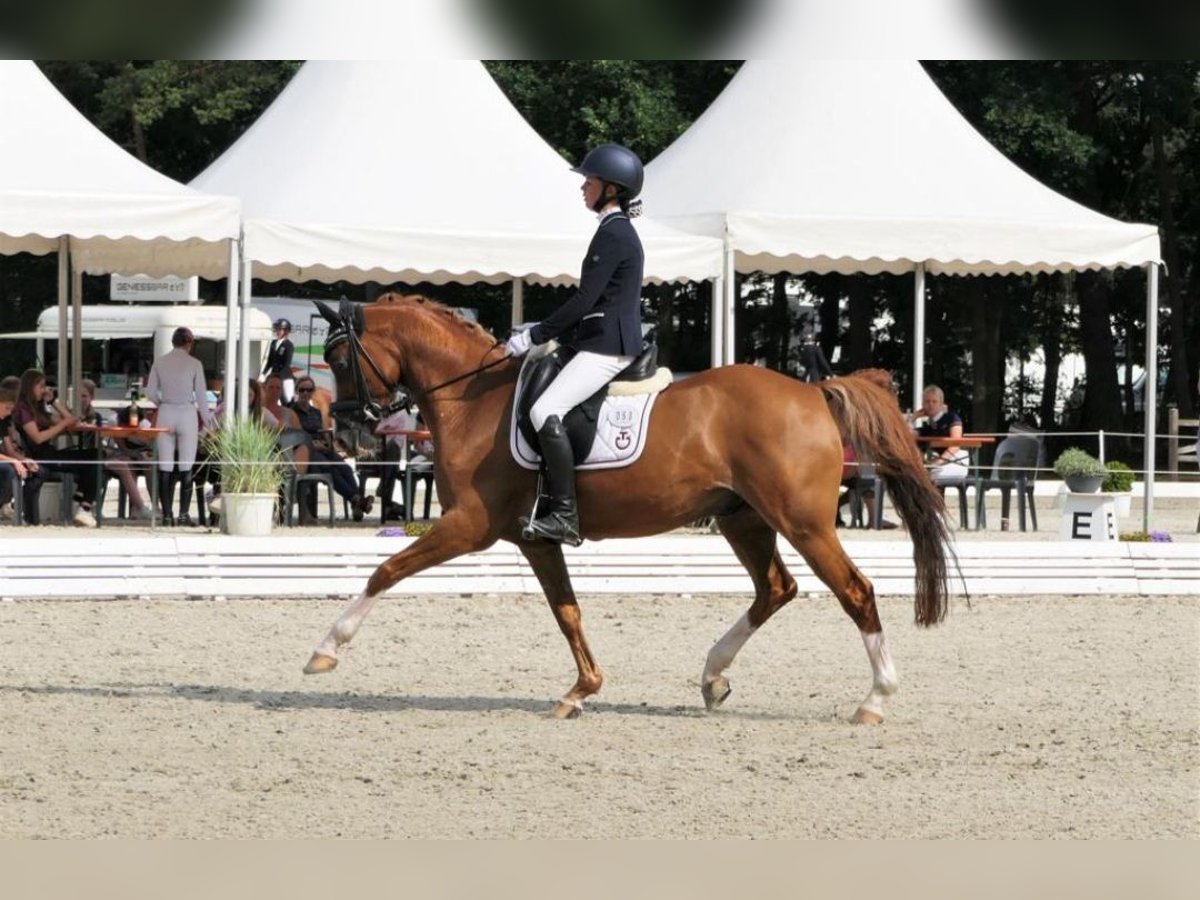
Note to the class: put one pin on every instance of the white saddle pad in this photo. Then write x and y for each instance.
(621, 429)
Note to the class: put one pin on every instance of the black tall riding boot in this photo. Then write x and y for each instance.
(185, 498)
(166, 496)
(560, 523)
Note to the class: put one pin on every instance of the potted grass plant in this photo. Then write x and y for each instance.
(1119, 481)
(1082, 472)
(252, 471)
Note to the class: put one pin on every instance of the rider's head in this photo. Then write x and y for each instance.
(619, 172)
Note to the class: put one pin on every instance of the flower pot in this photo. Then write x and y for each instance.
(248, 515)
(1084, 484)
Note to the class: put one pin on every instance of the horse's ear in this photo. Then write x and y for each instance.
(327, 313)
(351, 313)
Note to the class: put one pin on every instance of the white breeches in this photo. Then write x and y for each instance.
(948, 473)
(585, 374)
(289, 389)
(183, 434)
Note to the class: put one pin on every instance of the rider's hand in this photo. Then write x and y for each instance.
(519, 343)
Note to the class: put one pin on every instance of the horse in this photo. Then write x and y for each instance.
(753, 448)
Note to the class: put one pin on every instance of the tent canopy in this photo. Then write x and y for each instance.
(864, 166)
(416, 171)
(61, 176)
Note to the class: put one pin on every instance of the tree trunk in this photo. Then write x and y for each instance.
(858, 350)
(987, 358)
(1178, 388)
(1060, 298)
(780, 330)
(1102, 397)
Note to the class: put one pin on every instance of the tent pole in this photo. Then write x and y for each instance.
(518, 302)
(730, 306)
(1150, 396)
(76, 335)
(244, 376)
(64, 280)
(918, 384)
(715, 343)
(231, 330)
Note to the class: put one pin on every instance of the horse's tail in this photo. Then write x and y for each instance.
(870, 421)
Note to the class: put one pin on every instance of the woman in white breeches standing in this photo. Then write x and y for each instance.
(178, 387)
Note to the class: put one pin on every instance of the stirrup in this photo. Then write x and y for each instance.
(552, 527)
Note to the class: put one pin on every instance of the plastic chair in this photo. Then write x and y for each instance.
(413, 471)
(292, 492)
(961, 487)
(1013, 468)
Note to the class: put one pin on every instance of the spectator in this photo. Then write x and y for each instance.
(16, 470)
(293, 440)
(394, 444)
(279, 358)
(37, 429)
(314, 421)
(947, 465)
(114, 461)
(812, 357)
(177, 386)
(854, 473)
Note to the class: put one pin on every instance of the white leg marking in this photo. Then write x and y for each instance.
(724, 650)
(346, 625)
(884, 682)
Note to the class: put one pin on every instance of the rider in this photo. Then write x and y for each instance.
(279, 358)
(607, 310)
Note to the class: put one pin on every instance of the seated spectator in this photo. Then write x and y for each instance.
(37, 428)
(116, 459)
(293, 440)
(324, 455)
(947, 465)
(16, 470)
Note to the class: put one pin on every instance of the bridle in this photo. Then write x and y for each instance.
(346, 327)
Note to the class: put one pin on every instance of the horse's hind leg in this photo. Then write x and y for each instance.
(828, 560)
(551, 570)
(753, 540)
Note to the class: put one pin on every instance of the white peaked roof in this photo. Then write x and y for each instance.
(60, 175)
(395, 170)
(864, 166)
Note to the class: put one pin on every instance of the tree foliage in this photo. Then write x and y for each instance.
(1121, 137)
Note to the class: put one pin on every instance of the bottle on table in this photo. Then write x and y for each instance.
(134, 416)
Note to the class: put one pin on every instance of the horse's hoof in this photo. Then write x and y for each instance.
(565, 709)
(864, 716)
(715, 692)
(319, 663)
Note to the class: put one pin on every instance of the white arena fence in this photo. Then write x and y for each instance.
(210, 566)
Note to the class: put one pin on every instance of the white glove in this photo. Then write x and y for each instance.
(519, 343)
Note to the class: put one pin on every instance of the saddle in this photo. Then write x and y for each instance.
(580, 422)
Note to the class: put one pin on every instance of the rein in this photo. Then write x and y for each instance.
(346, 330)
(465, 375)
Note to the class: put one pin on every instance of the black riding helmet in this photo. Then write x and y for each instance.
(617, 165)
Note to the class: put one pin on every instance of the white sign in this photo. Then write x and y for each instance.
(144, 289)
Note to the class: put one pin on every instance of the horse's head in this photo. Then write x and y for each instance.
(366, 392)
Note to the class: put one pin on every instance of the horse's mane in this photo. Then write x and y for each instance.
(453, 316)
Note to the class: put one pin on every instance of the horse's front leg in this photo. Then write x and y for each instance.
(451, 536)
(551, 571)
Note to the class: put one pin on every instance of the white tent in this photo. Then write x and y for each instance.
(864, 166)
(420, 171)
(65, 187)
(415, 171)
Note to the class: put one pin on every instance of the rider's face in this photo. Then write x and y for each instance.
(592, 189)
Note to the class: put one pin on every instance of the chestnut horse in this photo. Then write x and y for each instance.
(757, 450)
